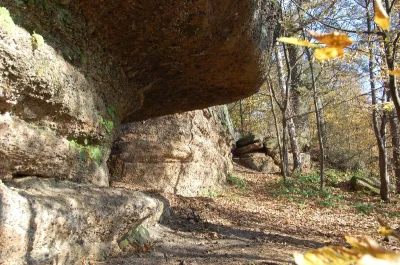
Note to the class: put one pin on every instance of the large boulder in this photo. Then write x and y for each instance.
(60, 222)
(250, 148)
(257, 161)
(185, 153)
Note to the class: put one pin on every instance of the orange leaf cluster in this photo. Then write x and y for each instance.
(333, 39)
(296, 41)
(328, 53)
(335, 42)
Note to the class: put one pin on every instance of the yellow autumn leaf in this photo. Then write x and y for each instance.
(332, 39)
(381, 18)
(394, 72)
(295, 41)
(364, 251)
(328, 53)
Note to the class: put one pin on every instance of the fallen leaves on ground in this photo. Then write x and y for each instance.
(270, 226)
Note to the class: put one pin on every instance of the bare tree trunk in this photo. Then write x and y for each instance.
(278, 135)
(395, 132)
(295, 107)
(283, 107)
(390, 46)
(285, 153)
(380, 133)
(297, 163)
(319, 123)
(293, 82)
(288, 124)
(383, 165)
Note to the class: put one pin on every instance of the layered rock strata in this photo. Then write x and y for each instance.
(186, 153)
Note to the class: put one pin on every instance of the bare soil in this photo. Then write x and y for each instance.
(254, 226)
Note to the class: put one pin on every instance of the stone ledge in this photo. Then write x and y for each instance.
(44, 221)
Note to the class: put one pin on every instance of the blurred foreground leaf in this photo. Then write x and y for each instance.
(364, 251)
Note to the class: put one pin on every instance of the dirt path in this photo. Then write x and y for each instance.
(252, 226)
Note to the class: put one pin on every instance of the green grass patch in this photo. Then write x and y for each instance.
(306, 188)
(235, 181)
(365, 208)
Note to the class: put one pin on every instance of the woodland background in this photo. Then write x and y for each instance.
(343, 111)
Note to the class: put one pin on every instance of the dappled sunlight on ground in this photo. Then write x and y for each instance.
(261, 224)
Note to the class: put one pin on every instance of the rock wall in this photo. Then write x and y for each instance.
(73, 70)
(187, 153)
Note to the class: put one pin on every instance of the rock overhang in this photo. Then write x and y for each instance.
(103, 63)
(185, 55)
(172, 56)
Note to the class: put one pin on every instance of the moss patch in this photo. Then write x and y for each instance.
(37, 41)
(6, 20)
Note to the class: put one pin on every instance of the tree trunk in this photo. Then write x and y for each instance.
(297, 163)
(390, 46)
(285, 153)
(278, 135)
(383, 173)
(288, 125)
(298, 106)
(283, 107)
(318, 121)
(395, 132)
(380, 133)
(293, 109)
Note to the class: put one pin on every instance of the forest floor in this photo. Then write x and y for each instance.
(261, 221)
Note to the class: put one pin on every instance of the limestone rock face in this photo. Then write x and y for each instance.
(60, 222)
(182, 153)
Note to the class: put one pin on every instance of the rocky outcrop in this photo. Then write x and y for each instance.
(263, 156)
(79, 68)
(46, 104)
(72, 71)
(60, 222)
(148, 58)
(27, 150)
(257, 161)
(250, 148)
(252, 153)
(186, 153)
